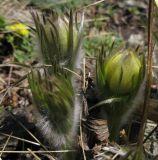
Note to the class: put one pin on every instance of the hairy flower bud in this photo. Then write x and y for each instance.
(119, 75)
(58, 38)
(122, 73)
(59, 26)
(63, 30)
(53, 90)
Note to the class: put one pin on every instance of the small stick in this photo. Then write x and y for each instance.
(21, 139)
(92, 4)
(37, 158)
(41, 152)
(1, 152)
(150, 134)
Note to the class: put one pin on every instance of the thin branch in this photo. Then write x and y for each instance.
(1, 152)
(28, 66)
(149, 74)
(90, 5)
(72, 72)
(1, 100)
(148, 136)
(21, 139)
(36, 157)
(40, 152)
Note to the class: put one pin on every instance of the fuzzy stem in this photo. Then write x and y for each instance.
(149, 74)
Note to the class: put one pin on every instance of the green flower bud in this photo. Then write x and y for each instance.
(58, 38)
(120, 74)
(63, 30)
(61, 33)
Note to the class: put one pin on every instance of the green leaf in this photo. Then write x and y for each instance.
(107, 101)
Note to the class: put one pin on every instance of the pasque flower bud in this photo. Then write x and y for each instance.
(122, 73)
(63, 30)
(119, 75)
(57, 107)
(58, 38)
